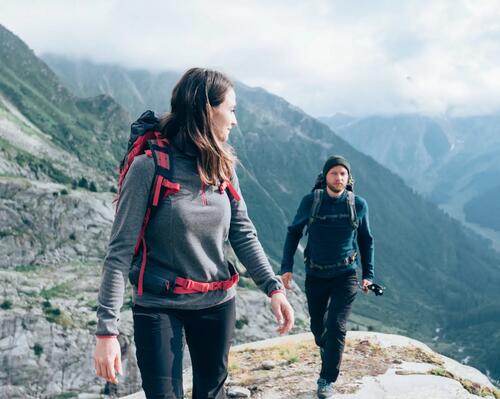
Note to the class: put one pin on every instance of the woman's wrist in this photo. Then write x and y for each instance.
(278, 291)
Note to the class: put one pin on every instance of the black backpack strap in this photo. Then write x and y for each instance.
(318, 197)
(351, 205)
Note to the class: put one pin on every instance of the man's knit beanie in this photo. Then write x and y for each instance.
(335, 160)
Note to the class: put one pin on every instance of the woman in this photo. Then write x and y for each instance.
(184, 241)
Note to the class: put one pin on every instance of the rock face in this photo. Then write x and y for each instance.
(254, 320)
(47, 320)
(48, 223)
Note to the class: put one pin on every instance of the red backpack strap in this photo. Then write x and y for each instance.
(163, 185)
(226, 184)
(139, 147)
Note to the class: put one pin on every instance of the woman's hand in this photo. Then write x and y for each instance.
(283, 312)
(107, 358)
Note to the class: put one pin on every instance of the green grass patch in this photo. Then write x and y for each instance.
(92, 305)
(471, 387)
(25, 268)
(441, 372)
(240, 323)
(57, 291)
(6, 305)
(40, 165)
(56, 315)
(38, 349)
(5, 233)
(5, 145)
(293, 359)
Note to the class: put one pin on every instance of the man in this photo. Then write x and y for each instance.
(338, 232)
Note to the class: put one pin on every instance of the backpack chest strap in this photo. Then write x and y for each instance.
(316, 205)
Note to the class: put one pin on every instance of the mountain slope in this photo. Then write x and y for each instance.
(92, 129)
(138, 90)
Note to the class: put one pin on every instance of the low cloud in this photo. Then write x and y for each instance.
(362, 57)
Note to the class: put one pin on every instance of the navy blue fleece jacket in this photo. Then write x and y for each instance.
(333, 240)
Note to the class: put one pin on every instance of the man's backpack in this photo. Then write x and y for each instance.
(319, 191)
(146, 138)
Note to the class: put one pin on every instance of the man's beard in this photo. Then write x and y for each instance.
(336, 188)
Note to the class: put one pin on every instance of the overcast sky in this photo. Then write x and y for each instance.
(355, 57)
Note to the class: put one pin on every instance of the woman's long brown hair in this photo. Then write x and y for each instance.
(190, 121)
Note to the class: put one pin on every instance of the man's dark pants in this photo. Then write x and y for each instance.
(330, 302)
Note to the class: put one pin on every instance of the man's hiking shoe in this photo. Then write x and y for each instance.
(325, 389)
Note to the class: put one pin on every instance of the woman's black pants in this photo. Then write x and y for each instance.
(158, 335)
(330, 302)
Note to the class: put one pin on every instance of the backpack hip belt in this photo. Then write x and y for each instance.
(157, 285)
(187, 286)
(346, 262)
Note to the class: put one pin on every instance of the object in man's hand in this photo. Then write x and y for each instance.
(377, 289)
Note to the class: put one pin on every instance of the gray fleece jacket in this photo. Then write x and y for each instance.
(185, 238)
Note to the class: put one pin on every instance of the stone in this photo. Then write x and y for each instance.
(268, 364)
(238, 392)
